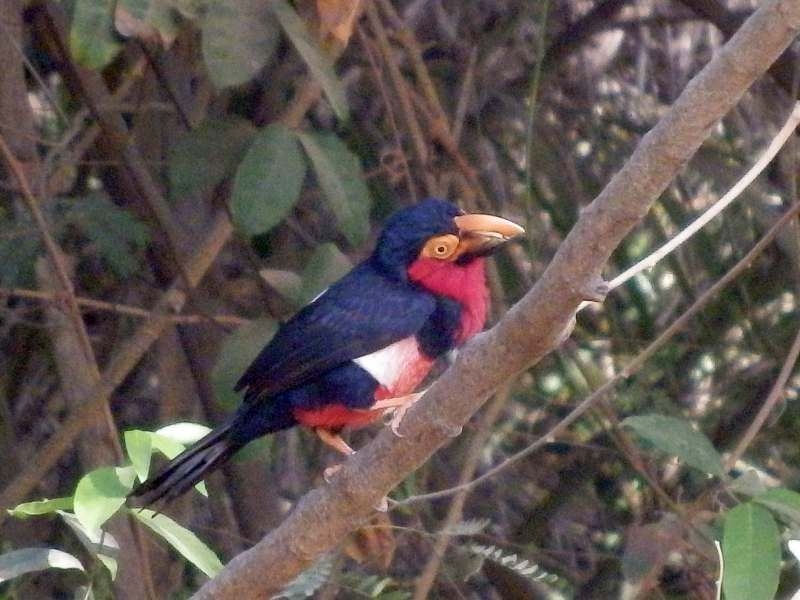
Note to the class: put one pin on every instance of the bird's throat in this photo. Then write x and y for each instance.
(464, 283)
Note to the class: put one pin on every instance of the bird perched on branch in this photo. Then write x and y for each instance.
(364, 345)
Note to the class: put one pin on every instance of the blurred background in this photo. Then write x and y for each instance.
(141, 130)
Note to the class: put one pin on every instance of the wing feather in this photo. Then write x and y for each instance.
(360, 314)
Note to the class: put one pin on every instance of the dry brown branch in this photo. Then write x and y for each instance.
(529, 330)
(116, 307)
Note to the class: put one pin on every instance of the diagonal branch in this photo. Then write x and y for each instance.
(531, 329)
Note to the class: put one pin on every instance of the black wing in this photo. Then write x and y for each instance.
(361, 313)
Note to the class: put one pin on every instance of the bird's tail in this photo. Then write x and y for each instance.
(188, 468)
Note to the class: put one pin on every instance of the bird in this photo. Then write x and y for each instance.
(364, 345)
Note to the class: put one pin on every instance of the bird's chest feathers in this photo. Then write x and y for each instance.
(399, 368)
(465, 284)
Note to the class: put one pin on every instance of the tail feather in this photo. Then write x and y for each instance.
(188, 468)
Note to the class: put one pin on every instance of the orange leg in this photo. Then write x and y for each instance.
(398, 407)
(334, 440)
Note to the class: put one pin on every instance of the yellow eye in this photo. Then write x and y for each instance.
(441, 247)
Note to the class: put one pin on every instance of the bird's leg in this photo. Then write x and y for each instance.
(399, 407)
(335, 441)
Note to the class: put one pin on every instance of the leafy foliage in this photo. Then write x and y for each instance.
(18, 562)
(117, 236)
(268, 180)
(220, 142)
(319, 64)
(751, 550)
(339, 175)
(238, 40)
(677, 437)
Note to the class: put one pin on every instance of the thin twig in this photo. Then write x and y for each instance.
(406, 106)
(775, 395)
(774, 147)
(53, 251)
(115, 307)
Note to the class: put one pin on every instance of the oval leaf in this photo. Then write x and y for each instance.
(326, 265)
(318, 63)
(91, 38)
(139, 449)
(184, 433)
(783, 502)
(100, 493)
(268, 180)
(238, 351)
(18, 562)
(678, 438)
(340, 176)
(101, 544)
(41, 507)
(183, 540)
(205, 156)
(238, 40)
(752, 554)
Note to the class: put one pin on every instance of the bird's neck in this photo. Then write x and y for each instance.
(464, 283)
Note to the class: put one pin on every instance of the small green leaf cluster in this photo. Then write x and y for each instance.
(99, 496)
(751, 536)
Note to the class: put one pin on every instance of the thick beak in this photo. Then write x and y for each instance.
(480, 234)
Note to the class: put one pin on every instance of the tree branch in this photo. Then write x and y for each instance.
(531, 329)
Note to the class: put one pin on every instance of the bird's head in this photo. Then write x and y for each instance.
(438, 234)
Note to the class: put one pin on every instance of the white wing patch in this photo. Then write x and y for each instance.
(388, 365)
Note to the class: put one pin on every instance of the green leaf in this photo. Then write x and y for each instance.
(184, 433)
(92, 41)
(101, 544)
(166, 445)
(268, 180)
(41, 507)
(752, 554)
(158, 14)
(783, 502)
(237, 352)
(748, 483)
(18, 256)
(678, 438)
(340, 176)
(18, 562)
(287, 283)
(116, 234)
(318, 62)
(326, 265)
(167, 441)
(100, 493)
(238, 40)
(183, 540)
(205, 156)
(139, 447)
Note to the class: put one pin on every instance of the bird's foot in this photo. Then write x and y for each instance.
(397, 407)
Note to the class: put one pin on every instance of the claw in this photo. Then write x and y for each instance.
(383, 505)
(328, 473)
(397, 419)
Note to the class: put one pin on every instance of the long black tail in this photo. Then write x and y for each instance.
(188, 468)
